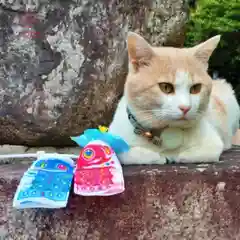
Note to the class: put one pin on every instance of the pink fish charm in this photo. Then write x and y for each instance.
(98, 171)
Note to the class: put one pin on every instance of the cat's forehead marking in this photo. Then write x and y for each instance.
(182, 78)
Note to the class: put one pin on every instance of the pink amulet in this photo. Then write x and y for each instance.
(98, 171)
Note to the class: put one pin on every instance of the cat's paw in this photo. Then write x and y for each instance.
(139, 155)
(193, 159)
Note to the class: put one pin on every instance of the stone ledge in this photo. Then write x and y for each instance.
(160, 202)
(19, 149)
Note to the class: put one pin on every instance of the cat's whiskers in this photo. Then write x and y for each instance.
(143, 111)
(162, 113)
(150, 114)
(149, 120)
(152, 110)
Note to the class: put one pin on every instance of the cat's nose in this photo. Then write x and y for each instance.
(184, 109)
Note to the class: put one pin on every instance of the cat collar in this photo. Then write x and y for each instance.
(151, 135)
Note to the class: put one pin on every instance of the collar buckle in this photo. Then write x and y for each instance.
(139, 130)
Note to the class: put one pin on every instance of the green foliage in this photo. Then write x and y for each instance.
(212, 17)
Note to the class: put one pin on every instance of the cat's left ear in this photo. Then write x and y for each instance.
(204, 50)
(139, 51)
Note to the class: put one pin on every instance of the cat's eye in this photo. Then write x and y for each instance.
(195, 89)
(167, 88)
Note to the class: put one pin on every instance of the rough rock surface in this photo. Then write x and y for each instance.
(195, 202)
(63, 62)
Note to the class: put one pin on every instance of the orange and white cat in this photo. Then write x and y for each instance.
(168, 89)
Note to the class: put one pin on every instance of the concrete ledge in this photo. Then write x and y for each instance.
(160, 202)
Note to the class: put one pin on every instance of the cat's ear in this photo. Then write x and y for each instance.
(204, 50)
(140, 52)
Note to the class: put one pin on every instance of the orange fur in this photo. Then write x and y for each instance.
(236, 138)
(152, 65)
(219, 105)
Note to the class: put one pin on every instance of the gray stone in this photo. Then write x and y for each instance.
(63, 63)
(181, 202)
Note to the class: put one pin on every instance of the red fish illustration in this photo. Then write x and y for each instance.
(94, 154)
(94, 167)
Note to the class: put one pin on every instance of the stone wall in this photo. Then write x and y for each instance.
(63, 62)
(188, 202)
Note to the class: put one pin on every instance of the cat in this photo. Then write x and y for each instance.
(171, 109)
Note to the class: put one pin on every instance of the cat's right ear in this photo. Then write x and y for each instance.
(203, 51)
(140, 52)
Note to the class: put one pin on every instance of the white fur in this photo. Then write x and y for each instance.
(233, 113)
(170, 103)
(202, 143)
(141, 152)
